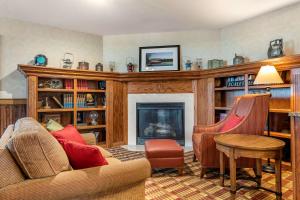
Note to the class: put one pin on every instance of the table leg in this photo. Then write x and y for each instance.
(232, 173)
(258, 171)
(222, 168)
(278, 178)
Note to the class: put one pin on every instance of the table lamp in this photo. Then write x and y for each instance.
(268, 75)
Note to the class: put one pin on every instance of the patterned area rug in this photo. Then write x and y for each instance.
(167, 185)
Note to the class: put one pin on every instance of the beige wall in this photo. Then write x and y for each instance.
(251, 38)
(21, 41)
(194, 44)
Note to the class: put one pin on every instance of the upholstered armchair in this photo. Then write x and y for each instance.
(253, 109)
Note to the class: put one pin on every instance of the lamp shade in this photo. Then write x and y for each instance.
(267, 75)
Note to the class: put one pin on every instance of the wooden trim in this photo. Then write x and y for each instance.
(13, 101)
(283, 63)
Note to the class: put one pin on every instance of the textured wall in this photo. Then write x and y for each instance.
(251, 38)
(20, 42)
(194, 44)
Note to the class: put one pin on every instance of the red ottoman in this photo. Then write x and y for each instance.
(165, 153)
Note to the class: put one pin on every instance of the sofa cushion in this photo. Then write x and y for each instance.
(104, 152)
(83, 156)
(113, 161)
(37, 152)
(69, 133)
(10, 173)
(232, 122)
(6, 136)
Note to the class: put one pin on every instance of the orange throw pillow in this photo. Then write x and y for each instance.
(232, 122)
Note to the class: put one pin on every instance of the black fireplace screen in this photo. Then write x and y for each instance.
(160, 120)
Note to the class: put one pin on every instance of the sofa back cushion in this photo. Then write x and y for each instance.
(10, 172)
(36, 150)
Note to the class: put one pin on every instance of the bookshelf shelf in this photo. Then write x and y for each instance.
(55, 110)
(271, 86)
(278, 134)
(91, 90)
(91, 109)
(89, 127)
(229, 88)
(54, 90)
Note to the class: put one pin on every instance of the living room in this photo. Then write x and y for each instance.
(153, 99)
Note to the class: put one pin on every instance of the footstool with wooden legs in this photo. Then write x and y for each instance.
(165, 153)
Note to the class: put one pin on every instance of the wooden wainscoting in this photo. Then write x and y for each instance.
(10, 111)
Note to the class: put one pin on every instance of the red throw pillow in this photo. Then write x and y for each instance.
(83, 156)
(69, 133)
(232, 122)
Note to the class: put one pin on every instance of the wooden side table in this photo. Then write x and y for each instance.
(235, 146)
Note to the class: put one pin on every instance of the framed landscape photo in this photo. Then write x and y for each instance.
(160, 58)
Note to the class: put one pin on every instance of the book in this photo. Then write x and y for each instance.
(57, 101)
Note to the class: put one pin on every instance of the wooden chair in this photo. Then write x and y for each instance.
(253, 108)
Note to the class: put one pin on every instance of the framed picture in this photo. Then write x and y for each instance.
(160, 58)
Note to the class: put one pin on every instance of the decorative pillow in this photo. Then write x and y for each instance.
(232, 122)
(53, 126)
(38, 153)
(82, 156)
(69, 133)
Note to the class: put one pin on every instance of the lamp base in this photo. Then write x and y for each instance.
(268, 168)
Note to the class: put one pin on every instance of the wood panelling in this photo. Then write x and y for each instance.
(160, 87)
(10, 111)
(204, 101)
(116, 119)
(296, 132)
(32, 82)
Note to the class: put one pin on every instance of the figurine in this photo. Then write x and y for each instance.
(188, 65)
(99, 67)
(67, 61)
(238, 60)
(130, 67)
(275, 49)
(47, 103)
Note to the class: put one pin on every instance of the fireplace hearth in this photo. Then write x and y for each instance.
(160, 121)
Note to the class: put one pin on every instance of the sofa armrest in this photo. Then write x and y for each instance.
(89, 138)
(80, 183)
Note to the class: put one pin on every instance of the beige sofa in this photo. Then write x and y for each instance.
(118, 180)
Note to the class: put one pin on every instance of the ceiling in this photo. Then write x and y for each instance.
(104, 17)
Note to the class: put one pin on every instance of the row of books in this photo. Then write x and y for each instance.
(68, 100)
(69, 84)
(82, 84)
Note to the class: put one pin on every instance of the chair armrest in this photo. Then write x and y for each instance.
(89, 138)
(80, 183)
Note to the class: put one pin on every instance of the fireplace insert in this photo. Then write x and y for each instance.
(160, 121)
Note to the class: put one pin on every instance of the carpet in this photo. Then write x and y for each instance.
(165, 184)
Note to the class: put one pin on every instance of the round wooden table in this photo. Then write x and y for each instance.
(235, 146)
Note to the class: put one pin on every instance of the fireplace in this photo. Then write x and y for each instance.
(160, 121)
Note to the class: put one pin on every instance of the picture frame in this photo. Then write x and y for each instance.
(159, 58)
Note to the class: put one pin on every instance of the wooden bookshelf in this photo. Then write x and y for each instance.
(280, 103)
(67, 95)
